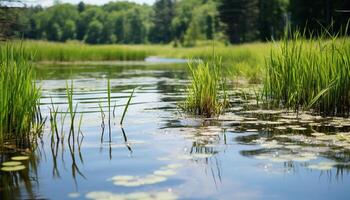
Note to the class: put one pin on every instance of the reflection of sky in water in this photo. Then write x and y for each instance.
(219, 159)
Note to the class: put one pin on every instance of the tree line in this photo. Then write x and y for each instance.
(182, 22)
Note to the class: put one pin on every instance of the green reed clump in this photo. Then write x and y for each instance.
(207, 93)
(310, 73)
(19, 95)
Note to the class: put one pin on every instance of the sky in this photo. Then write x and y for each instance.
(46, 3)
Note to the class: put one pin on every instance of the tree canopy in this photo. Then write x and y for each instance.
(182, 21)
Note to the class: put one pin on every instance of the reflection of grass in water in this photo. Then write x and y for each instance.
(19, 95)
(310, 73)
(204, 92)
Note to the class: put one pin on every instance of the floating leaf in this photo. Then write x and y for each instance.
(18, 158)
(13, 168)
(11, 163)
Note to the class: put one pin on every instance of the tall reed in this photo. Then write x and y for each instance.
(19, 95)
(72, 110)
(207, 92)
(127, 106)
(310, 73)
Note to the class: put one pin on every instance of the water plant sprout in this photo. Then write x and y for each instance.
(207, 91)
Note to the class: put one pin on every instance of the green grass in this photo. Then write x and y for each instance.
(19, 95)
(310, 74)
(72, 110)
(126, 107)
(206, 93)
(246, 60)
(52, 51)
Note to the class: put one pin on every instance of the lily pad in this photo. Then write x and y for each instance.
(13, 168)
(19, 158)
(11, 163)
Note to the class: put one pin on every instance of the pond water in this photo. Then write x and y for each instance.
(162, 153)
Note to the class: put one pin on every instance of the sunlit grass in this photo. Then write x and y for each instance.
(127, 106)
(310, 74)
(19, 95)
(55, 51)
(206, 93)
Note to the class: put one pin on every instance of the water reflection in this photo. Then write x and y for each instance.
(219, 157)
(22, 183)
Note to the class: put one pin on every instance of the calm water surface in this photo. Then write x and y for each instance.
(163, 154)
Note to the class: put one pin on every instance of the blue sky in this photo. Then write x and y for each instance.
(96, 2)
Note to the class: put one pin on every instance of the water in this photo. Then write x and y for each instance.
(166, 154)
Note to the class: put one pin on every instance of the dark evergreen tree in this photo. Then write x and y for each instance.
(241, 19)
(161, 31)
(312, 15)
(81, 6)
(272, 18)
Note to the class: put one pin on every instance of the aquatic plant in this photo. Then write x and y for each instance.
(53, 121)
(19, 94)
(311, 73)
(207, 92)
(72, 110)
(127, 106)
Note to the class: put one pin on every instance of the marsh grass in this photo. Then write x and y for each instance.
(54, 51)
(127, 106)
(19, 94)
(311, 74)
(207, 91)
(72, 110)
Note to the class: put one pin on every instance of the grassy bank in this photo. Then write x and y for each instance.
(310, 74)
(52, 51)
(18, 93)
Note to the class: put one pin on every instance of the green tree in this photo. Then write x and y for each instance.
(312, 15)
(272, 18)
(88, 15)
(54, 32)
(69, 30)
(134, 28)
(161, 32)
(183, 17)
(81, 7)
(241, 19)
(94, 32)
(192, 33)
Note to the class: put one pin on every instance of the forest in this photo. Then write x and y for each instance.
(178, 21)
